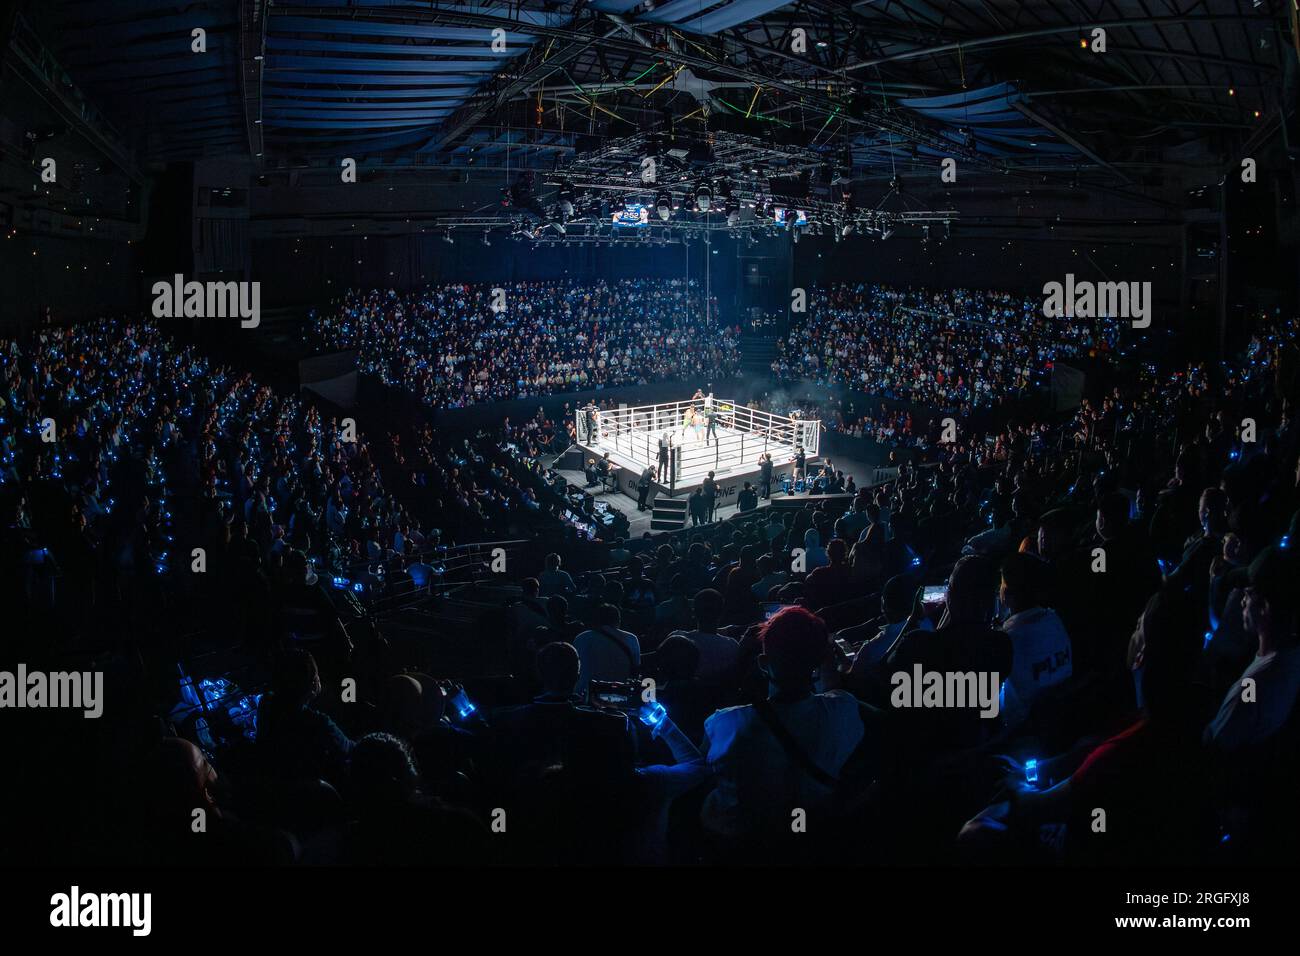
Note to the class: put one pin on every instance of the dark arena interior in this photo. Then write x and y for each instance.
(683, 434)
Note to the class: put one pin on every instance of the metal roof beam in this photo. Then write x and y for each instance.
(973, 43)
(878, 119)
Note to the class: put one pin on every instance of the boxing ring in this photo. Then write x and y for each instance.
(631, 437)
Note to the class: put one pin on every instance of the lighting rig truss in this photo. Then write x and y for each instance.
(654, 189)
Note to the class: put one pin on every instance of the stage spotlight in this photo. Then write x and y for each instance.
(446, 237)
(486, 240)
(733, 214)
(885, 233)
(664, 205)
(704, 196)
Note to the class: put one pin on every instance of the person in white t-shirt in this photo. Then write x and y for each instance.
(606, 652)
(1041, 654)
(718, 653)
(759, 779)
(553, 580)
(1253, 712)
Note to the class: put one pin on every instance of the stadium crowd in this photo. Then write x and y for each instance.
(123, 452)
(459, 345)
(489, 485)
(959, 349)
(1122, 581)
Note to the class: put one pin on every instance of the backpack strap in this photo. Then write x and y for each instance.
(767, 714)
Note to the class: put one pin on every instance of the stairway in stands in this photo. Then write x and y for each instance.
(757, 353)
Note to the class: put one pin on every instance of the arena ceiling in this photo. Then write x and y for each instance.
(877, 88)
(1002, 79)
